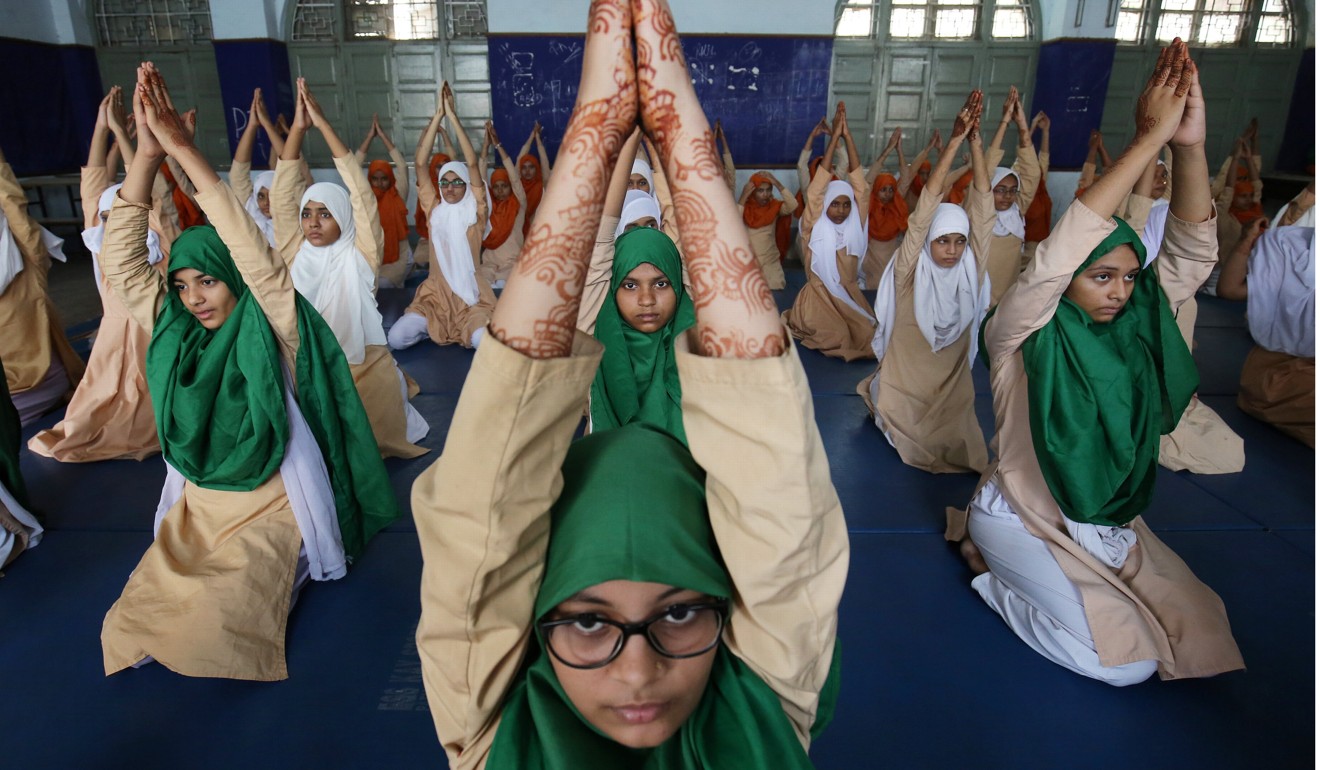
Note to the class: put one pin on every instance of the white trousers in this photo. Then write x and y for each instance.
(1029, 590)
(409, 330)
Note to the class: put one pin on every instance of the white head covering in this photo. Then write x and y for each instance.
(449, 225)
(637, 205)
(1010, 222)
(827, 238)
(1152, 235)
(93, 236)
(1307, 219)
(642, 167)
(337, 278)
(946, 300)
(1281, 291)
(262, 181)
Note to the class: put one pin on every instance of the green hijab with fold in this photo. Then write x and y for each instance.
(219, 397)
(1101, 394)
(633, 507)
(638, 379)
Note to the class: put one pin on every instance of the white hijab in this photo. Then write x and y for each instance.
(1152, 235)
(337, 279)
(827, 238)
(262, 181)
(1281, 291)
(642, 167)
(93, 236)
(449, 225)
(1010, 222)
(637, 205)
(945, 300)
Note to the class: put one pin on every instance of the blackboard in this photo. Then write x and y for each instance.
(768, 91)
(1072, 80)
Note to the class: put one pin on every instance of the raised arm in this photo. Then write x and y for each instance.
(273, 132)
(1233, 269)
(542, 154)
(510, 168)
(401, 180)
(879, 164)
(118, 122)
(665, 197)
(96, 151)
(804, 157)
(997, 143)
(427, 195)
(366, 140)
(967, 121)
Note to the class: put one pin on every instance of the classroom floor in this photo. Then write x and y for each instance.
(932, 677)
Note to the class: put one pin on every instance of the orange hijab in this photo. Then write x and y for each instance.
(1250, 212)
(918, 184)
(811, 174)
(393, 212)
(534, 189)
(886, 220)
(958, 193)
(755, 215)
(419, 217)
(503, 214)
(189, 213)
(1038, 214)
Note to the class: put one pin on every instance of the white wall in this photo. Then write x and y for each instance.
(27, 21)
(726, 17)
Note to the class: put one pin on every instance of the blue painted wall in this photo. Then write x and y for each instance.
(242, 66)
(51, 94)
(1072, 79)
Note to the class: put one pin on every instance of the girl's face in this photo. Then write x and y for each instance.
(947, 250)
(638, 182)
(1103, 289)
(501, 190)
(839, 209)
(641, 698)
(1161, 181)
(263, 202)
(646, 299)
(207, 298)
(886, 194)
(527, 171)
(452, 187)
(380, 181)
(923, 173)
(1242, 201)
(318, 224)
(1006, 193)
(763, 194)
(643, 222)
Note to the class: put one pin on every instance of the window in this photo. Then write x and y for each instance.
(854, 19)
(1011, 20)
(319, 21)
(392, 20)
(933, 19)
(314, 21)
(465, 18)
(158, 22)
(1275, 25)
(1131, 18)
(1206, 22)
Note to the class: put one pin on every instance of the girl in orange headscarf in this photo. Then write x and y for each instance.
(764, 214)
(918, 171)
(422, 254)
(1237, 201)
(508, 208)
(391, 201)
(534, 173)
(886, 224)
(1041, 211)
(189, 213)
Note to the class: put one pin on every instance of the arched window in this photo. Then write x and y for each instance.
(319, 21)
(1206, 22)
(162, 22)
(916, 20)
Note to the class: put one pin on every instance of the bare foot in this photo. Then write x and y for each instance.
(972, 555)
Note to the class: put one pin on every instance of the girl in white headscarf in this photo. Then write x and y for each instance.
(1014, 189)
(829, 313)
(255, 191)
(929, 307)
(333, 257)
(453, 305)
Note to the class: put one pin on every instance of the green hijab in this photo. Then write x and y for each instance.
(11, 440)
(633, 507)
(219, 397)
(638, 380)
(1100, 395)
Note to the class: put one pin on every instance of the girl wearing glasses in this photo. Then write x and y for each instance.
(453, 304)
(618, 601)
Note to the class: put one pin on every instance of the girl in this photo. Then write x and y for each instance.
(508, 207)
(1087, 369)
(271, 479)
(41, 368)
(454, 303)
(333, 258)
(564, 627)
(1014, 191)
(888, 215)
(929, 308)
(533, 173)
(109, 416)
(762, 213)
(422, 254)
(829, 313)
(644, 313)
(255, 191)
(389, 183)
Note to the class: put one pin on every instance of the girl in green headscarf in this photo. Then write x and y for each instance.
(1088, 369)
(629, 600)
(273, 476)
(645, 311)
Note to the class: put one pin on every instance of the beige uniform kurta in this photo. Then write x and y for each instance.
(766, 247)
(482, 515)
(450, 320)
(1029, 248)
(818, 319)
(211, 596)
(377, 376)
(497, 263)
(1153, 608)
(110, 416)
(32, 333)
(926, 399)
(1006, 250)
(1279, 389)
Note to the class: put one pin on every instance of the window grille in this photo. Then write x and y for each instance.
(465, 18)
(153, 22)
(314, 21)
(393, 20)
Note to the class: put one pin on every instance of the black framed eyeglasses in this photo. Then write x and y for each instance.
(1013, 191)
(589, 640)
(452, 183)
